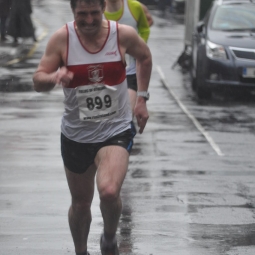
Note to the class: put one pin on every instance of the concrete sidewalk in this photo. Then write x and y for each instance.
(7, 52)
(11, 53)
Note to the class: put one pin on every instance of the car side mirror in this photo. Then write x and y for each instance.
(200, 26)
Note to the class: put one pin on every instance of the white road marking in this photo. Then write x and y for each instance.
(186, 111)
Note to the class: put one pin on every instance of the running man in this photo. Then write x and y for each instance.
(86, 56)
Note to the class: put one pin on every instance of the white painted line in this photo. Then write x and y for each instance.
(186, 111)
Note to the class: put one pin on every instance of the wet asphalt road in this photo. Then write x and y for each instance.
(180, 197)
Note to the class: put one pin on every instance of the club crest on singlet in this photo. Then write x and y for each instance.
(95, 73)
(97, 101)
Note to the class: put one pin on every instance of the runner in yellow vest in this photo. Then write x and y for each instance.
(132, 13)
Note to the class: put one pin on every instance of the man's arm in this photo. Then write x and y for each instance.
(148, 15)
(132, 44)
(142, 23)
(48, 73)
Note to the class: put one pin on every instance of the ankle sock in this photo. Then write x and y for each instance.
(108, 243)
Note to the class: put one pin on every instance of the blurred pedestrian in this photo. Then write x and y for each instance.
(5, 6)
(20, 23)
(162, 5)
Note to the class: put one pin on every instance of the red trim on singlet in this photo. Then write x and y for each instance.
(118, 42)
(74, 23)
(67, 43)
(112, 73)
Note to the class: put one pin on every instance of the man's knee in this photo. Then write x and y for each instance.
(109, 193)
(80, 205)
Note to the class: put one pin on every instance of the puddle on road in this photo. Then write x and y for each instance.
(18, 77)
(167, 173)
(22, 104)
(126, 225)
(20, 115)
(225, 237)
(139, 173)
(15, 84)
(229, 114)
(173, 118)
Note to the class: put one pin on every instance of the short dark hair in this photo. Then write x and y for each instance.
(73, 2)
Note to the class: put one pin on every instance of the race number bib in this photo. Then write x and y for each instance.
(97, 102)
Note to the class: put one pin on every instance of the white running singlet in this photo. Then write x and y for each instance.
(96, 101)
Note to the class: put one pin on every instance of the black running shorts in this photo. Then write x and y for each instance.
(132, 82)
(77, 157)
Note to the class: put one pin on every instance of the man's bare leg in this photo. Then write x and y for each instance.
(82, 191)
(112, 163)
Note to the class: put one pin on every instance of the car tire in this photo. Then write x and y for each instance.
(201, 91)
(193, 70)
(193, 84)
(193, 78)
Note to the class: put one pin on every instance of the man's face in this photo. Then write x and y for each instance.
(88, 17)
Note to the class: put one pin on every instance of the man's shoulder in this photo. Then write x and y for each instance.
(60, 36)
(62, 31)
(126, 31)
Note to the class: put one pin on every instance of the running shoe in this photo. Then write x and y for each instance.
(107, 249)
